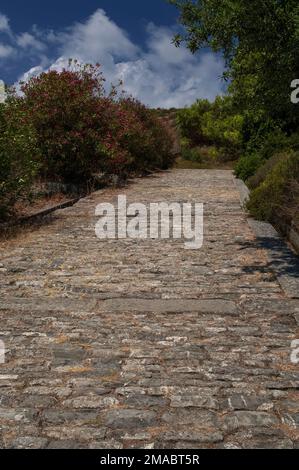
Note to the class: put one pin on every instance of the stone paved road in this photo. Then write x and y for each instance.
(142, 344)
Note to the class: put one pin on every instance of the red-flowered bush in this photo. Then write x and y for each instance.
(66, 128)
(82, 131)
(70, 114)
(149, 140)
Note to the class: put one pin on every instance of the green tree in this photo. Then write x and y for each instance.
(222, 126)
(259, 40)
(190, 121)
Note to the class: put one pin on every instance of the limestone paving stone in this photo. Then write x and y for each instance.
(143, 344)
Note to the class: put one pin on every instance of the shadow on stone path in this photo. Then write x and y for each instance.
(143, 344)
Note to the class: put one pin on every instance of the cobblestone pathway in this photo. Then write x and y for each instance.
(142, 343)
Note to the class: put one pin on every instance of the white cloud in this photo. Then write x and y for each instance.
(4, 24)
(167, 76)
(97, 38)
(6, 51)
(161, 48)
(33, 72)
(19, 46)
(27, 40)
(159, 74)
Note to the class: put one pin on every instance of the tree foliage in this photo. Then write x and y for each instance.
(215, 124)
(259, 40)
(190, 121)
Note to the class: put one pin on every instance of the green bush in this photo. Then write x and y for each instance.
(268, 141)
(190, 121)
(19, 156)
(274, 194)
(263, 136)
(222, 126)
(263, 171)
(248, 165)
(192, 155)
(215, 124)
(256, 127)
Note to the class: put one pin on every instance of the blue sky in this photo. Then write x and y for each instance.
(131, 39)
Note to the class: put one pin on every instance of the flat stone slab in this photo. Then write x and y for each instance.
(290, 285)
(244, 192)
(217, 307)
(263, 229)
(48, 305)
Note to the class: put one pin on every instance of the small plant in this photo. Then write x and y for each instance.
(247, 166)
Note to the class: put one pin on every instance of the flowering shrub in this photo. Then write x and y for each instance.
(82, 131)
(147, 139)
(70, 114)
(66, 128)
